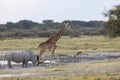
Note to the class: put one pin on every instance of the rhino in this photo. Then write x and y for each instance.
(21, 56)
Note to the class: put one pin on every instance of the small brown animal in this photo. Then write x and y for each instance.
(78, 54)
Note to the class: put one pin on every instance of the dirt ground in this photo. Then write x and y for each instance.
(65, 60)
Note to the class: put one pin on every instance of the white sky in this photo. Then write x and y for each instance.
(57, 10)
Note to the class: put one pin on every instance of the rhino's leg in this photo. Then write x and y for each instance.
(23, 64)
(9, 64)
(34, 64)
(26, 63)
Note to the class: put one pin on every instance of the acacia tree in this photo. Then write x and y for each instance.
(113, 23)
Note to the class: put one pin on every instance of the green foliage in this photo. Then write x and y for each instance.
(113, 24)
(27, 28)
(47, 21)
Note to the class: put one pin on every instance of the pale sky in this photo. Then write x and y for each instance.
(57, 10)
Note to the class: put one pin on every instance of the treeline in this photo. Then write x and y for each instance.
(27, 28)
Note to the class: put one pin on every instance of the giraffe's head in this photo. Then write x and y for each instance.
(67, 26)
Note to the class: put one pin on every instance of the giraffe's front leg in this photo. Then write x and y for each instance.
(58, 59)
(53, 53)
(51, 57)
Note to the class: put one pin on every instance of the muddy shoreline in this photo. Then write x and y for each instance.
(70, 59)
(65, 59)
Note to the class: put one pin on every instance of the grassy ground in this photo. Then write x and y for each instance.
(108, 70)
(65, 44)
(85, 77)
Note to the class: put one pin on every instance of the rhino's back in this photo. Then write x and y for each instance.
(17, 56)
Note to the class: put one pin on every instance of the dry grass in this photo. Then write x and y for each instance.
(65, 44)
(85, 77)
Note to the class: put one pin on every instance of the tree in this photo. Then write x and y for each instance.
(113, 23)
(47, 21)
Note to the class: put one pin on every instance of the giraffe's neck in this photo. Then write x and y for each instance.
(57, 36)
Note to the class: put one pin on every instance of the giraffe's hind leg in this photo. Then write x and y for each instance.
(40, 56)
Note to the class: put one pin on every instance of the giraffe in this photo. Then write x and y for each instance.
(50, 44)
